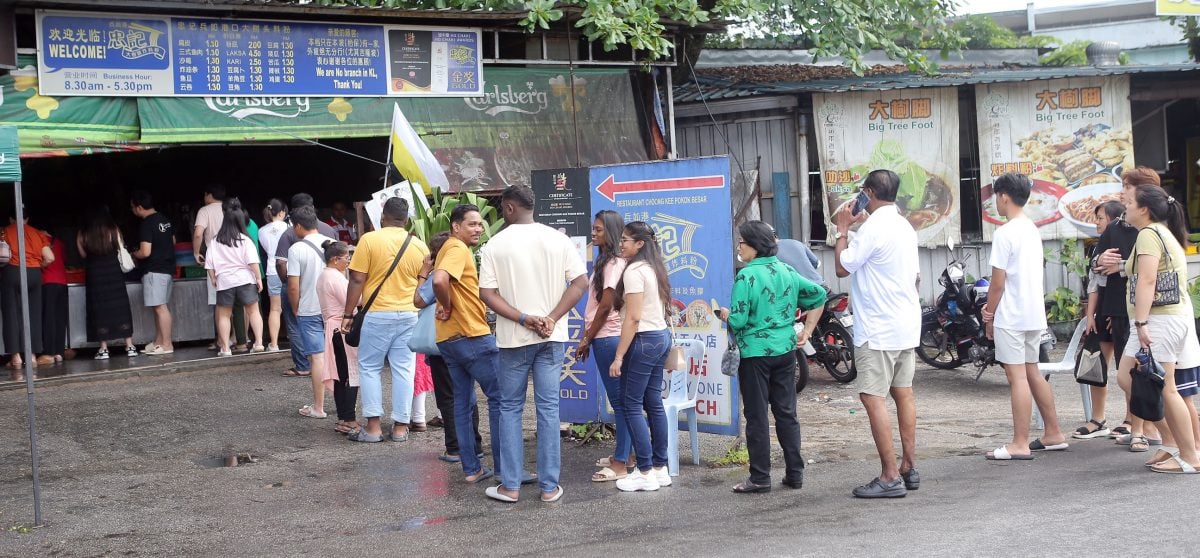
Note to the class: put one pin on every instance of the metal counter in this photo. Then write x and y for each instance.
(192, 317)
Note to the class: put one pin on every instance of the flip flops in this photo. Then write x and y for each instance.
(482, 475)
(1001, 454)
(494, 493)
(293, 373)
(558, 494)
(607, 474)
(364, 436)
(1037, 445)
(310, 412)
(1185, 468)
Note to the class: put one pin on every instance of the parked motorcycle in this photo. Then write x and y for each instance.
(952, 331)
(831, 344)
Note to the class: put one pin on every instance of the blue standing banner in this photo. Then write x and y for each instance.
(687, 203)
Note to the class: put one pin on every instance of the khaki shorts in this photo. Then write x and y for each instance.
(880, 371)
(1017, 347)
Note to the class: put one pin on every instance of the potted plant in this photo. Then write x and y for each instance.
(426, 223)
(1064, 306)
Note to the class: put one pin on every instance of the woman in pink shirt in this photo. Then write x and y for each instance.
(602, 331)
(232, 264)
(341, 360)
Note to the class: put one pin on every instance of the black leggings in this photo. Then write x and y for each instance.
(54, 318)
(345, 396)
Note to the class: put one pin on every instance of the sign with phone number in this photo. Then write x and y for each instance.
(138, 55)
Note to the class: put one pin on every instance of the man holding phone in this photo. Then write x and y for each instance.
(883, 260)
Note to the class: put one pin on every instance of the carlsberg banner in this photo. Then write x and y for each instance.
(912, 132)
(1073, 137)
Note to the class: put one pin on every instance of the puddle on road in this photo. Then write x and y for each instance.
(227, 460)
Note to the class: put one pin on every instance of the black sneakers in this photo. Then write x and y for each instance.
(912, 479)
(881, 489)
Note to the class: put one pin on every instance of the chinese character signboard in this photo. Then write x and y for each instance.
(912, 132)
(1178, 8)
(1073, 137)
(143, 55)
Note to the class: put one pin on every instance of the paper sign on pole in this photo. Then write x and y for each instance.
(912, 132)
(1073, 137)
(374, 206)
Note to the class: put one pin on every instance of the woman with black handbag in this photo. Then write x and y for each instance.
(1161, 313)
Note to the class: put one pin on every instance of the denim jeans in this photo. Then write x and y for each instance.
(545, 361)
(299, 359)
(385, 336)
(641, 388)
(471, 360)
(604, 350)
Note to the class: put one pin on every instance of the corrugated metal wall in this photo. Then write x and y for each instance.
(770, 136)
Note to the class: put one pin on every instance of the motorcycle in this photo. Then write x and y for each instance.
(952, 331)
(831, 344)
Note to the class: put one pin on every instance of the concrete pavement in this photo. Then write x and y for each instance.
(130, 468)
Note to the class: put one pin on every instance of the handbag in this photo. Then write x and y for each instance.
(676, 360)
(1091, 367)
(123, 256)
(353, 336)
(424, 335)
(1166, 283)
(1146, 399)
(5, 250)
(732, 357)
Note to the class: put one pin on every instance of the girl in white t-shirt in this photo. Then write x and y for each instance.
(642, 296)
(275, 214)
(232, 264)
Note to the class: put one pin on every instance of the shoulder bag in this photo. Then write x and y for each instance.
(732, 357)
(1091, 367)
(424, 335)
(1166, 283)
(1146, 391)
(355, 334)
(123, 255)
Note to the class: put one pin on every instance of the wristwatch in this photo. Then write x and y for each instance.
(837, 235)
(1140, 324)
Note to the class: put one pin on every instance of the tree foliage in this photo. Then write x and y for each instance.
(846, 28)
(1190, 26)
(982, 32)
(1074, 53)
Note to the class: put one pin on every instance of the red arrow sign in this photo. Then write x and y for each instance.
(610, 187)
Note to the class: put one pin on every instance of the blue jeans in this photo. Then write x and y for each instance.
(299, 359)
(604, 350)
(641, 388)
(385, 336)
(471, 360)
(545, 361)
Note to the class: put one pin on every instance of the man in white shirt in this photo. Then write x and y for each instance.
(208, 222)
(1016, 317)
(531, 276)
(883, 260)
(306, 261)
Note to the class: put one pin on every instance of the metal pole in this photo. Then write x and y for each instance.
(805, 193)
(27, 349)
(671, 150)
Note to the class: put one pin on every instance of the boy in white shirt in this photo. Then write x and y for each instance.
(1016, 317)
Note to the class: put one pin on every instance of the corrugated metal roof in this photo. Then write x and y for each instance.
(715, 88)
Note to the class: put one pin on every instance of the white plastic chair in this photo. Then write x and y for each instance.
(1067, 364)
(681, 396)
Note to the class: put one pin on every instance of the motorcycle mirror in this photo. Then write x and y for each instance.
(950, 243)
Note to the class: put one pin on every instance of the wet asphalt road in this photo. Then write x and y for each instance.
(129, 471)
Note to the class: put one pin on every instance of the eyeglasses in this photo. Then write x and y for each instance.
(626, 239)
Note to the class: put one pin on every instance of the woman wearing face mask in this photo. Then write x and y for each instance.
(642, 297)
(602, 333)
(341, 360)
(1167, 329)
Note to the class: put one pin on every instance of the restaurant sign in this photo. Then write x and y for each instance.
(85, 54)
(1073, 137)
(912, 132)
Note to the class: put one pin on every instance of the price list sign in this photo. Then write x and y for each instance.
(114, 55)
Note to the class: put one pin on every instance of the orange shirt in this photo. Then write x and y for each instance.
(34, 242)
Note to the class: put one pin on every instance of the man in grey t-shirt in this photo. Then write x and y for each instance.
(801, 258)
(300, 365)
(306, 261)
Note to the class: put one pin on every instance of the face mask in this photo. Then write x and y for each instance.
(739, 258)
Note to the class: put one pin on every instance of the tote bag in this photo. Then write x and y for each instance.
(424, 335)
(1091, 367)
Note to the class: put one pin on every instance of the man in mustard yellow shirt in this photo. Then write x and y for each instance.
(464, 338)
(388, 279)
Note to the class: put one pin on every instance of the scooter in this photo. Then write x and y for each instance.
(831, 344)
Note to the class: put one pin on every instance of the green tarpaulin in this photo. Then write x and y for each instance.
(527, 120)
(10, 160)
(63, 125)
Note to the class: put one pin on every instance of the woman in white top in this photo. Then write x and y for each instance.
(232, 264)
(275, 214)
(642, 297)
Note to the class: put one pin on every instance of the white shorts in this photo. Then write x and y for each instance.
(1017, 347)
(1173, 339)
(880, 371)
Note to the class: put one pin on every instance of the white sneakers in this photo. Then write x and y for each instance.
(648, 482)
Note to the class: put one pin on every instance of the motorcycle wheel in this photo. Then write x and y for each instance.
(801, 371)
(936, 349)
(838, 356)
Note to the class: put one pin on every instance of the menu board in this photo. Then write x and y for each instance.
(912, 132)
(1072, 137)
(140, 55)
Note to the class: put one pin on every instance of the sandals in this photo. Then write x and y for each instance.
(1185, 468)
(1120, 430)
(293, 373)
(1001, 454)
(1139, 444)
(607, 474)
(364, 436)
(1168, 453)
(1085, 433)
(310, 412)
(1038, 445)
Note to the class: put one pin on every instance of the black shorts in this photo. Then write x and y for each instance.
(240, 295)
(1117, 334)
